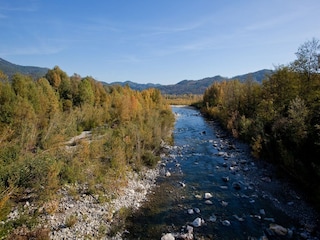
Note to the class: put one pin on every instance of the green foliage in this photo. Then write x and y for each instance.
(279, 118)
(38, 117)
(86, 95)
(150, 159)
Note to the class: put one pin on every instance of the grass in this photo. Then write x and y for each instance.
(71, 221)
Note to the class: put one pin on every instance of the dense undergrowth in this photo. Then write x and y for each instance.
(37, 118)
(280, 118)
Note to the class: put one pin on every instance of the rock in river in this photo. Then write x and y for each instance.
(236, 185)
(226, 179)
(208, 195)
(168, 236)
(278, 229)
(190, 211)
(197, 222)
(226, 223)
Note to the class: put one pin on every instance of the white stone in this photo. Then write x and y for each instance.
(208, 195)
(197, 222)
(168, 236)
(226, 223)
(190, 211)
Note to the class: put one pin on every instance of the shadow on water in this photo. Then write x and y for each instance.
(213, 177)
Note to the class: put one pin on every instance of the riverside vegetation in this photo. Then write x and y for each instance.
(37, 118)
(280, 118)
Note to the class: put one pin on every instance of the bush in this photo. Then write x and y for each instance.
(150, 159)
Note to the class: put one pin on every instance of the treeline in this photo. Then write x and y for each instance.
(280, 118)
(183, 99)
(37, 118)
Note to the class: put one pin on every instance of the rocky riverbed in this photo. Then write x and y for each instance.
(78, 214)
(85, 217)
(211, 188)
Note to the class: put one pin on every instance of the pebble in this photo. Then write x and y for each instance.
(224, 204)
(168, 236)
(213, 218)
(208, 195)
(225, 179)
(92, 215)
(197, 210)
(226, 223)
(278, 229)
(197, 222)
(240, 219)
(190, 211)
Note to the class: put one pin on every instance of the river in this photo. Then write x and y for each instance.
(209, 179)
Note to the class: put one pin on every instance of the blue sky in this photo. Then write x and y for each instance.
(156, 41)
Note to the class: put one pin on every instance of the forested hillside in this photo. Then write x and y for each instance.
(37, 120)
(280, 118)
(10, 69)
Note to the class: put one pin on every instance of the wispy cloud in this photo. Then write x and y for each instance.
(31, 50)
(19, 6)
(177, 28)
(275, 21)
(158, 30)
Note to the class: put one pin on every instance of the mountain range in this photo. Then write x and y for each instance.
(182, 87)
(195, 86)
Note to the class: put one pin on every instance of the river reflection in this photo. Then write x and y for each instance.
(211, 176)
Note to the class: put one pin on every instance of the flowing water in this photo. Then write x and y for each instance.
(209, 175)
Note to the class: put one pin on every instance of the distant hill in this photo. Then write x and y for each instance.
(256, 76)
(10, 69)
(190, 86)
(183, 87)
(136, 86)
(195, 86)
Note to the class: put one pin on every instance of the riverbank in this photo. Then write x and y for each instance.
(85, 217)
(78, 214)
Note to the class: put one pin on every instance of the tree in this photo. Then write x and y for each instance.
(297, 124)
(86, 94)
(282, 86)
(308, 64)
(55, 76)
(308, 58)
(3, 77)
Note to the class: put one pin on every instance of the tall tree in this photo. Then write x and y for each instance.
(308, 58)
(307, 65)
